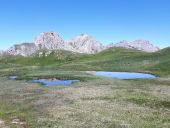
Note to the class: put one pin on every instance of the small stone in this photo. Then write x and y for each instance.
(16, 120)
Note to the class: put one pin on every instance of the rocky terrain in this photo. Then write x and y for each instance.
(24, 49)
(142, 45)
(80, 44)
(50, 41)
(1, 52)
(85, 44)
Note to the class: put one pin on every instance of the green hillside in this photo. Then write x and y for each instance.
(41, 58)
(119, 59)
(114, 59)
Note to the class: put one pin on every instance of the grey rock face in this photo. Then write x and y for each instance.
(50, 41)
(1, 52)
(24, 49)
(142, 45)
(85, 44)
(80, 44)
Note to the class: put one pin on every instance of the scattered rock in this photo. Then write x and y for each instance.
(16, 120)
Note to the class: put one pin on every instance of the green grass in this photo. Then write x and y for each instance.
(95, 101)
(100, 102)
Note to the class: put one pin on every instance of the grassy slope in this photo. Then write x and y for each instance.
(118, 59)
(37, 59)
(115, 59)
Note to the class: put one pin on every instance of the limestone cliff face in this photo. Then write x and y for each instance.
(85, 44)
(50, 41)
(24, 49)
(80, 44)
(142, 45)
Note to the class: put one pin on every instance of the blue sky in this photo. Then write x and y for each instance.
(106, 20)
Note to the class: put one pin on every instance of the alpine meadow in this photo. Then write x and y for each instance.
(65, 81)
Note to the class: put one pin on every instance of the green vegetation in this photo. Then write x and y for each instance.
(94, 102)
(115, 59)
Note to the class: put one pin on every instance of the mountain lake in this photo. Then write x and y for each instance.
(125, 75)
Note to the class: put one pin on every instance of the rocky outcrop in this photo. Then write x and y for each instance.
(142, 45)
(50, 41)
(24, 49)
(85, 44)
(80, 44)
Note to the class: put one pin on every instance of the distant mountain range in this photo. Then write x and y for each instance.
(80, 44)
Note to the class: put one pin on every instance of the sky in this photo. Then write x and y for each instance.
(106, 20)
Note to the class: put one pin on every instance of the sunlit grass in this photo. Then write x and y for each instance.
(95, 103)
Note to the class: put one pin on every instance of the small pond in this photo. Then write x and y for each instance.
(126, 75)
(12, 77)
(47, 82)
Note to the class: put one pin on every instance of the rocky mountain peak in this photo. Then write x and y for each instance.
(85, 44)
(49, 40)
(142, 42)
(24, 49)
(143, 45)
(82, 38)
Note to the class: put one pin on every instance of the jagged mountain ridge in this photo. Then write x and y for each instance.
(50, 41)
(85, 44)
(80, 44)
(143, 45)
(24, 49)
